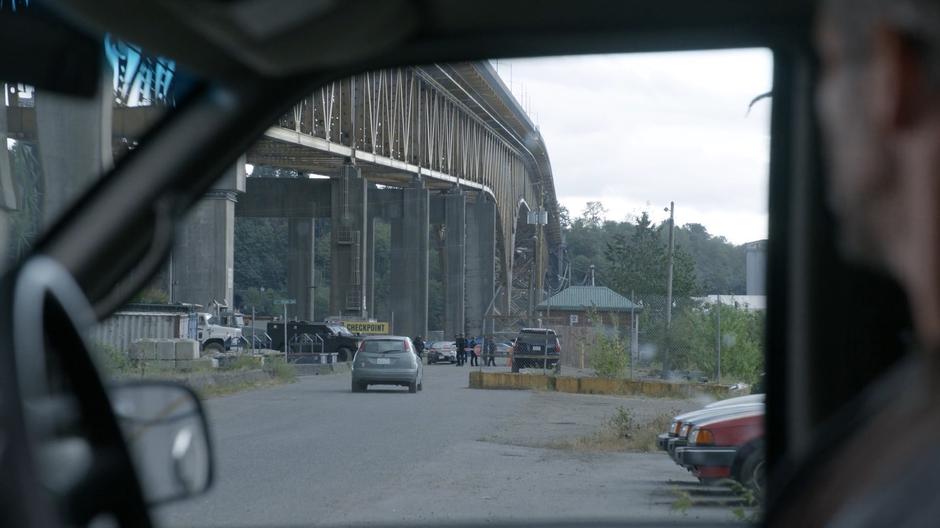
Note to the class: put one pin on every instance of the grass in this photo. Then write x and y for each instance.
(242, 363)
(683, 501)
(225, 389)
(281, 370)
(621, 432)
(115, 364)
(749, 511)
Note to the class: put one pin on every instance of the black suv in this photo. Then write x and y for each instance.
(536, 348)
(336, 337)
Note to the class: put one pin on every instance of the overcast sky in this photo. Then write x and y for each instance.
(636, 131)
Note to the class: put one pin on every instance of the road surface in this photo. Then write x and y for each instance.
(313, 453)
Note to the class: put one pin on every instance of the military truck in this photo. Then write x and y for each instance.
(328, 337)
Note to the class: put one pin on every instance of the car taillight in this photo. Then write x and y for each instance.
(557, 346)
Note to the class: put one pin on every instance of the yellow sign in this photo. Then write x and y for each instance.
(359, 327)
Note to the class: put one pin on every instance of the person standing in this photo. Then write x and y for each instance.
(489, 352)
(419, 346)
(461, 344)
(474, 357)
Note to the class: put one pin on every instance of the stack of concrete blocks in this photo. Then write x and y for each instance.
(170, 354)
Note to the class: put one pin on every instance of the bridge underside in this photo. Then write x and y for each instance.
(440, 153)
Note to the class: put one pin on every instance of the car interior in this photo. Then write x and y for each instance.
(246, 62)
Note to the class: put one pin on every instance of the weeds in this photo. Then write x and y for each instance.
(281, 369)
(242, 363)
(110, 359)
(609, 359)
(622, 422)
(750, 510)
(621, 432)
(683, 501)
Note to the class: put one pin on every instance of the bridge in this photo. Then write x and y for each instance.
(443, 153)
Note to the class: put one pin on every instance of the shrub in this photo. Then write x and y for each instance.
(110, 359)
(281, 369)
(609, 358)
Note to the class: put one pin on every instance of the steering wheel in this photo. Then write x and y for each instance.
(72, 464)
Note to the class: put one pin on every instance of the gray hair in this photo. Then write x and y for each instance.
(917, 20)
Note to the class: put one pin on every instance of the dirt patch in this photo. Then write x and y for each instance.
(589, 423)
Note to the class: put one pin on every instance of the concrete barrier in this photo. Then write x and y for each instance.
(610, 386)
(508, 380)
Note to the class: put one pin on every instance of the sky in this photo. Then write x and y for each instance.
(636, 131)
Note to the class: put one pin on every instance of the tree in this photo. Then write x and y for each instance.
(564, 217)
(593, 215)
(639, 263)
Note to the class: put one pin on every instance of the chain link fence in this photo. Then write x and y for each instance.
(699, 340)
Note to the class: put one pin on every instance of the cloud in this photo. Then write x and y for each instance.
(636, 129)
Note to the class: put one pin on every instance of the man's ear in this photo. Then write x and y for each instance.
(897, 91)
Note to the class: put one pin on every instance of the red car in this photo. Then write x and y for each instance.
(729, 446)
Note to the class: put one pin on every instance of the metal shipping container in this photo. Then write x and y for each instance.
(139, 322)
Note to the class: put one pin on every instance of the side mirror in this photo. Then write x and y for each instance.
(167, 436)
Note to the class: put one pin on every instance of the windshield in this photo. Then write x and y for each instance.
(340, 330)
(615, 206)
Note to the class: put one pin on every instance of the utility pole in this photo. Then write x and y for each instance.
(592, 274)
(672, 242)
(633, 335)
(718, 337)
(540, 273)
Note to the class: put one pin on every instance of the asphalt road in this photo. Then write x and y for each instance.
(313, 453)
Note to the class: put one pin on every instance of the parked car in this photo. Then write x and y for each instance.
(536, 348)
(442, 351)
(677, 422)
(678, 432)
(387, 360)
(750, 398)
(728, 446)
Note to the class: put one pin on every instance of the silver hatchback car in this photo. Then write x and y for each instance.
(387, 360)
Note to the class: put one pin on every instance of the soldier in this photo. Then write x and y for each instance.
(419, 345)
(472, 348)
(461, 352)
(489, 352)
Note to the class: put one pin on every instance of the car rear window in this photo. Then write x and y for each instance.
(384, 346)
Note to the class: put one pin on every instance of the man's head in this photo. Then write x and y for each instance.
(879, 102)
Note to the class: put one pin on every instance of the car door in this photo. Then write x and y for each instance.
(103, 245)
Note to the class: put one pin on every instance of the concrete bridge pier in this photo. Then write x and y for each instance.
(480, 261)
(301, 244)
(202, 266)
(348, 255)
(455, 239)
(408, 293)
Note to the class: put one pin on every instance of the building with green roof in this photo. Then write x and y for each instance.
(575, 303)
